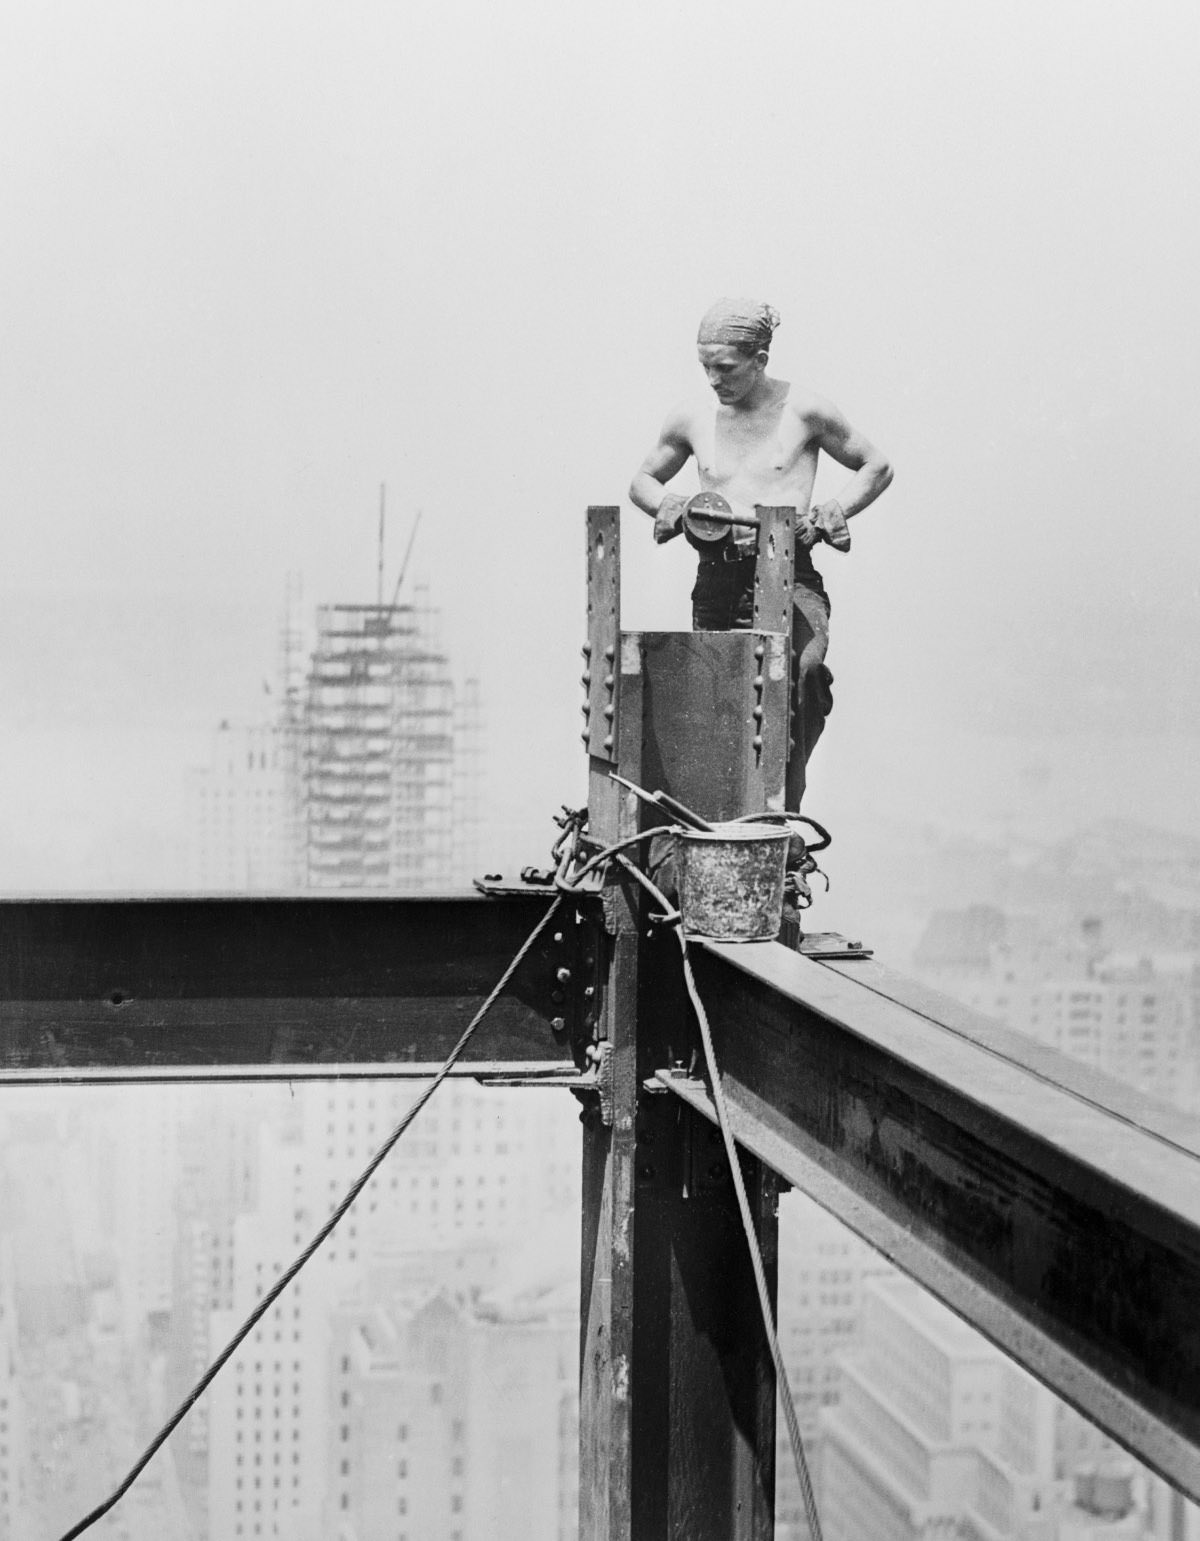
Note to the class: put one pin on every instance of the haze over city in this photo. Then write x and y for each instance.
(260, 259)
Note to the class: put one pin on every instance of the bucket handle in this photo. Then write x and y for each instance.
(824, 838)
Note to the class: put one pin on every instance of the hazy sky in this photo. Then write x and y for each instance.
(258, 258)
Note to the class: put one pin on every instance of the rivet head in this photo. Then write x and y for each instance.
(758, 741)
(758, 681)
(586, 738)
(758, 713)
(760, 652)
(586, 649)
(609, 712)
(608, 741)
(610, 652)
(558, 1024)
(608, 682)
(585, 679)
(562, 975)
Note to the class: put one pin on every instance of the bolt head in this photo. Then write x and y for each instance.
(558, 1024)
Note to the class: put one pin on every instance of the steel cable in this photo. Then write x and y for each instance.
(281, 1284)
(760, 1278)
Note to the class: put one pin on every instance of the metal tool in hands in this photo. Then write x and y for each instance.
(708, 517)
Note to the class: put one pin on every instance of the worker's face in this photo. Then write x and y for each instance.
(730, 372)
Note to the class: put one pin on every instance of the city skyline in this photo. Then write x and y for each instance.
(261, 258)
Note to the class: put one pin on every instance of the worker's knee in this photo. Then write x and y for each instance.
(814, 684)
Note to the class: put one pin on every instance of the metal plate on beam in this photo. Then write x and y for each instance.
(601, 674)
(774, 570)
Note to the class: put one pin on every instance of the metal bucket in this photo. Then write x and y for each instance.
(731, 881)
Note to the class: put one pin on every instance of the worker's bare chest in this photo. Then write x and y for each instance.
(768, 445)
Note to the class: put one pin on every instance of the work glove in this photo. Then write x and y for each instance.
(668, 522)
(829, 523)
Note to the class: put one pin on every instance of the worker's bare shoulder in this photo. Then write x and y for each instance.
(682, 423)
(812, 413)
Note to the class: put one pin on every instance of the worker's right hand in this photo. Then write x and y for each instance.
(668, 521)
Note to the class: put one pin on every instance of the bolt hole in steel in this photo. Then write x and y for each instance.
(117, 998)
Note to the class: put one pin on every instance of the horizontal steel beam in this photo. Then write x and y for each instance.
(330, 982)
(495, 1072)
(1056, 1212)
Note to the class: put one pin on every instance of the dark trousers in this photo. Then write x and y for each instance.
(723, 600)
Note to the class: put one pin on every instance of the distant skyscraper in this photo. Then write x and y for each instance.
(237, 834)
(381, 767)
(918, 1398)
(456, 1422)
(823, 1267)
(363, 771)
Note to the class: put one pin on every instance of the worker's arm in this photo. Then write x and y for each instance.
(834, 434)
(647, 490)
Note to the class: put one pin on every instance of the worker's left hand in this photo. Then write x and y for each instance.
(829, 518)
(807, 532)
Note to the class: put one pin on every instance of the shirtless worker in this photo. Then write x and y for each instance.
(759, 445)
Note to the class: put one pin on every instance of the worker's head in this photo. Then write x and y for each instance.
(734, 344)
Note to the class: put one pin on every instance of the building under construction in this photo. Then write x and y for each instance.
(383, 779)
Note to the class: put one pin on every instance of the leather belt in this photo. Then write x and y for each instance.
(731, 553)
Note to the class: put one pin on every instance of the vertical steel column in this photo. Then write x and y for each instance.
(677, 1411)
(606, 1288)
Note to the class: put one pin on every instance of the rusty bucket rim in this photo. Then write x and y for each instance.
(735, 831)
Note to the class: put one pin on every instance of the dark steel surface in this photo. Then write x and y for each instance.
(702, 690)
(1065, 1231)
(186, 982)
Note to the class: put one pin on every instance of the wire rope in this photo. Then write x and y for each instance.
(760, 1278)
(330, 1225)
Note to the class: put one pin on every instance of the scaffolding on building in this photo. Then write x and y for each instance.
(379, 752)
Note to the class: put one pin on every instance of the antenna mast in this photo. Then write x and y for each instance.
(379, 570)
